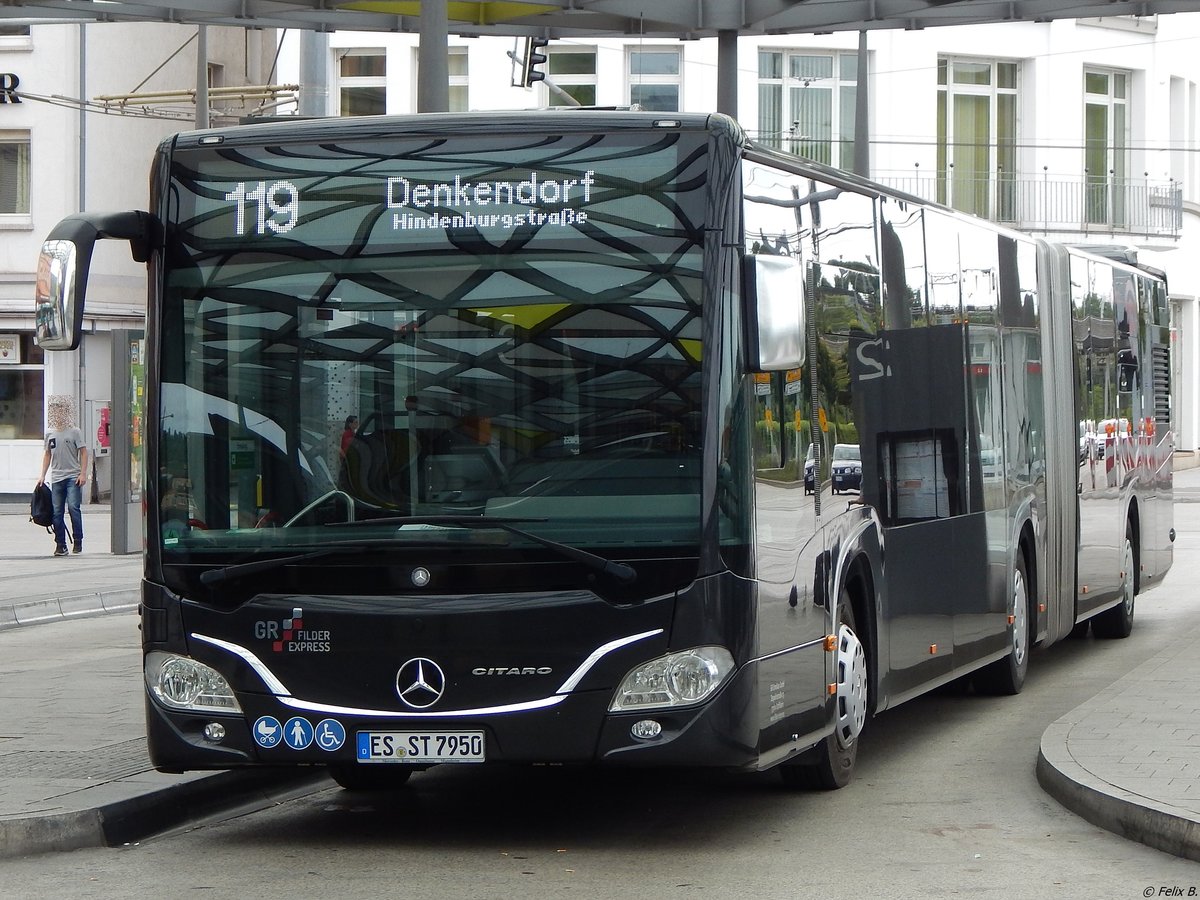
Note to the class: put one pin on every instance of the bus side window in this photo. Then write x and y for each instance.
(921, 476)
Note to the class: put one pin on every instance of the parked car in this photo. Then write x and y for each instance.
(846, 468)
(989, 460)
(810, 470)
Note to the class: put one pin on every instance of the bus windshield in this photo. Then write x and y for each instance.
(397, 333)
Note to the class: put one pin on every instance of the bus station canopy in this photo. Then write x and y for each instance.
(564, 18)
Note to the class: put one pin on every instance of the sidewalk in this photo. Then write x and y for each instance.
(34, 587)
(74, 770)
(1128, 760)
(73, 765)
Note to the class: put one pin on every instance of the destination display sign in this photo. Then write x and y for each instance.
(263, 208)
(393, 195)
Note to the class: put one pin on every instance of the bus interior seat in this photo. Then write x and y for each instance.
(377, 468)
(466, 475)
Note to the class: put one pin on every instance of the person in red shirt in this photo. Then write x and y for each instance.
(348, 432)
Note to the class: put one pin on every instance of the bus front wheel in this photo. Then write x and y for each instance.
(355, 777)
(830, 764)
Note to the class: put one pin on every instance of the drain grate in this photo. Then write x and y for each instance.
(99, 764)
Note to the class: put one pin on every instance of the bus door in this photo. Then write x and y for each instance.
(794, 612)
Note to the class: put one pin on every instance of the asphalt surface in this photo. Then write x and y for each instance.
(74, 771)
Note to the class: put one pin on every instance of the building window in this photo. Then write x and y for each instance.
(806, 104)
(456, 62)
(653, 75)
(1106, 145)
(14, 175)
(15, 37)
(458, 77)
(977, 136)
(362, 83)
(573, 70)
(20, 388)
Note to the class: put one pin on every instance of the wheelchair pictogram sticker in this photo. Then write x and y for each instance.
(330, 735)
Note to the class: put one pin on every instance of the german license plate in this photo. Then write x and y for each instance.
(420, 746)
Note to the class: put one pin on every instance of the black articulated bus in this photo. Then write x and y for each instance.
(485, 438)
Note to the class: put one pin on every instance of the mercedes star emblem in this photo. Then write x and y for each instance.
(420, 682)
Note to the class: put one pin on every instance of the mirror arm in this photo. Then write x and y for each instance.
(143, 231)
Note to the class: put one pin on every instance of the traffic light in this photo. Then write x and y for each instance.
(534, 57)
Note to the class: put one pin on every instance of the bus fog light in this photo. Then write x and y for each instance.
(677, 679)
(179, 682)
(645, 730)
(214, 731)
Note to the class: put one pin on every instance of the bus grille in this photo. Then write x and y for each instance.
(1160, 358)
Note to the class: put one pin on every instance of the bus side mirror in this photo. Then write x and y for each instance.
(773, 293)
(58, 316)
(62, 270)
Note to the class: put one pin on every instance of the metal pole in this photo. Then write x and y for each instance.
(862, 145)
(81, 367)
(433, 66)
(314, 74)
(82, 116)
(560, 93)
(727, 72)
(201, 76)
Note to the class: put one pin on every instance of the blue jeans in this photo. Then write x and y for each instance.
(67, 493)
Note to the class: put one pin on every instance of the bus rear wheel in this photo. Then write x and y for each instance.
(1118, 621)
(1007, 676)
(830, 764)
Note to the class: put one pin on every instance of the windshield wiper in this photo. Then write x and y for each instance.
(622, 572)
(240, 570)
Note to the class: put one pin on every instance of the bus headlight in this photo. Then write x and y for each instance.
(677, 679)
(179, 682)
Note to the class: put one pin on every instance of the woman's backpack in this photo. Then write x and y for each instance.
(41, 507)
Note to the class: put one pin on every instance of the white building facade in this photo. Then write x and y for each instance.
(58, 156)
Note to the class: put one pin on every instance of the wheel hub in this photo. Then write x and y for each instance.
(851, 687)
(1128, 586)
(1020, 611)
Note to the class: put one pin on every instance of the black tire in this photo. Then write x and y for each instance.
(830, 765)
(1007, 676)
(371, 778)
(1118, 621)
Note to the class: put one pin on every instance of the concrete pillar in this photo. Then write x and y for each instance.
(314, 74)
(433, 67)
(727, 72)
(201, 76)
(862, 105)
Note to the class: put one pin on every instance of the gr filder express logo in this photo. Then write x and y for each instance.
(290, 635)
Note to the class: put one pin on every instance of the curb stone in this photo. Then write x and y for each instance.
(52, 609)
(202, 796)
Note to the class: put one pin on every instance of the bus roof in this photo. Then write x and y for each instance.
(553, 121)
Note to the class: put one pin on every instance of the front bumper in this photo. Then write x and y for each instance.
(578, 729)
